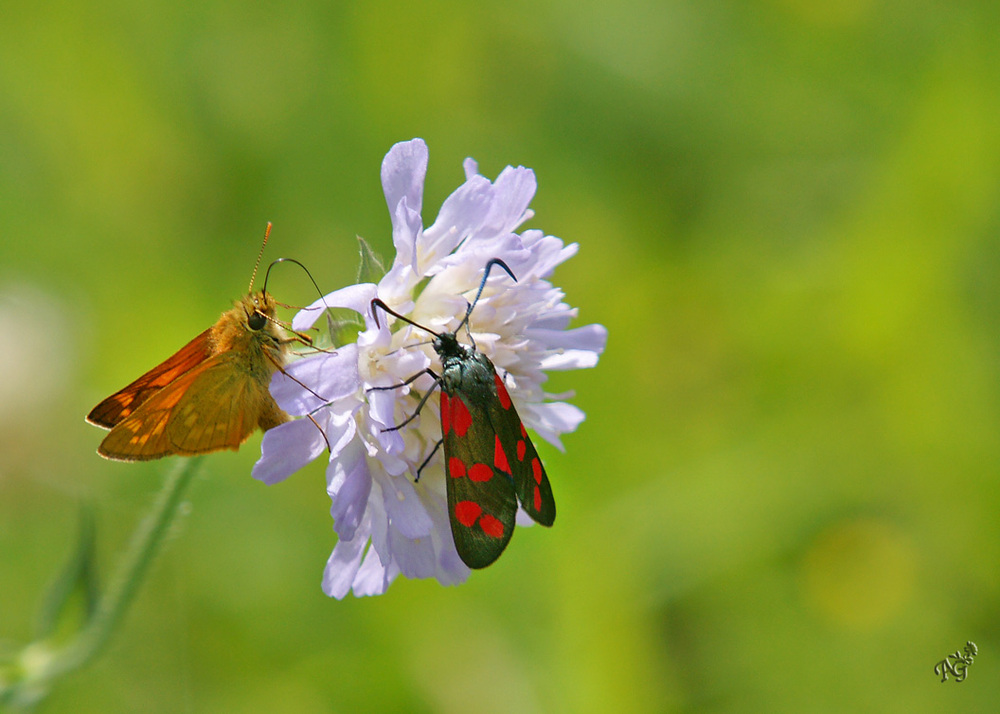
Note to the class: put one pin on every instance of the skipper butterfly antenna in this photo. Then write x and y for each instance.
(253, 276)
(304, 268)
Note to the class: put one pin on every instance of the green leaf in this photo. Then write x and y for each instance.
(75, 588)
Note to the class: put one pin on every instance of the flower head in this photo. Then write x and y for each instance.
(389, 522)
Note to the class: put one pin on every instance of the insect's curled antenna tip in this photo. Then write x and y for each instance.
(377, 302)
(482, 286)
(497, 261)
(298, 263)
(304, 268)
(374, 304)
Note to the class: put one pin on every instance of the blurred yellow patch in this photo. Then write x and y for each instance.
(859, 573)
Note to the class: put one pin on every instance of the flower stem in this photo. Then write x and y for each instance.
(131, 571)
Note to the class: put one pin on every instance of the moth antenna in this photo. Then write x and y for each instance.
(482, 285)
(377, 302)
(468, 330)
(253, 276)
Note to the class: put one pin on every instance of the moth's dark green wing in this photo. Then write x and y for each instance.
(530, 481)
(482, 505)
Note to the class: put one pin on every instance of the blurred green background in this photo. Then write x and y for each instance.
(784, 497)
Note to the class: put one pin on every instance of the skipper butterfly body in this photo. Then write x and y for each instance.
(211, 395)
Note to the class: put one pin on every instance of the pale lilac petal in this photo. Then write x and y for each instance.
(407, 226)
(514, 189)
(550, 419)
(522, 519)
(409, 362)
(334, 374)
(343, 564)
(379, 520)
(349, 485)
(471, 168)
(392, 464)
(378, 569)
(341, 426)
(479, 252)
(406, 510)
(548, 252)
(576, 349)
(588, 337)
(569, 359)
(374, 337)
(415, 558)
(557, 319)
(403, 172)
(462, 214)
(450, 568)
(354, 297)
(287, 448)
(373, 578)
(381, 411)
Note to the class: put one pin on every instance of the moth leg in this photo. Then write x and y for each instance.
(423, 399)
(429, 457)
(414, 378)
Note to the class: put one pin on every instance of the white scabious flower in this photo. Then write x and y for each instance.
(388, 521)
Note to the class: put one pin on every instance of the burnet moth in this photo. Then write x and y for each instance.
(490, 463)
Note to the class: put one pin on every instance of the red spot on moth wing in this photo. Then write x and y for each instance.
(524, 434)
(536, 469)
(480, 472)
(467, 512)
(538, 499)
(460, 417)
(445, 413)
(500, 457)
(491, 526)
(502, 392)
(521, 449)
(456, 469)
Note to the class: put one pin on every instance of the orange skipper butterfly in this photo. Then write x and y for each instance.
(212, 394)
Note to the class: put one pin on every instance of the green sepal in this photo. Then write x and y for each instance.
(371, 269)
